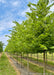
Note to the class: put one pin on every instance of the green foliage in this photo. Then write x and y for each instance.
(34, 34)
(1, 46)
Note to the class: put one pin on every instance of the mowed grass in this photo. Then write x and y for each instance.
(5, 66)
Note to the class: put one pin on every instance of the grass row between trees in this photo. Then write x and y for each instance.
(5, 66)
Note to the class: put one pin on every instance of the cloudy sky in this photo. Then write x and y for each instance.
(11, 10)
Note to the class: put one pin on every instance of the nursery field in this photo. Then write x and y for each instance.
(31, 64)
(30, 42)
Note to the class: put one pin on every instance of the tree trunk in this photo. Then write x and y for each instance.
(46, 57)
(44, 63)
(37, 57)
(21, 60)
(52, 56)
(27, 64)
(23, 55)
(17, 57)
(31, 56)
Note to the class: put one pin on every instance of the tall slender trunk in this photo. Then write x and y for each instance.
(17, 57)
(52, 56)
(37, 57)
(27, 64)
(21, 60)
(46, 57)
(23, 55)
(44, 63)
(31, 56)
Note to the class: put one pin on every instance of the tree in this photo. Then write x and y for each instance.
(42, 30)
(1, 46)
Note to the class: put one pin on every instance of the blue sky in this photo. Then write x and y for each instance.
(11, 10)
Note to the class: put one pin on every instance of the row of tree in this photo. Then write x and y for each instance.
(36, 34)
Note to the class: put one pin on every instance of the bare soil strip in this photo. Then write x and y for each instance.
(16, 69)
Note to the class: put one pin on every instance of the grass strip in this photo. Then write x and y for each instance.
(5, 66)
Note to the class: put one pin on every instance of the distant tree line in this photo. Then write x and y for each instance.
(1, 46)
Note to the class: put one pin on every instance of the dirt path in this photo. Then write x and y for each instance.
(16, 69)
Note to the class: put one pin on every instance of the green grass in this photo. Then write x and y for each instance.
(33, 67)
(5, 66)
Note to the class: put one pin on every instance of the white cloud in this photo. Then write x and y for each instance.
(5, 25)
(6, 22)
(4, 39)
(15, 3)
(1, 28)
(24, 12)
(2, 1)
